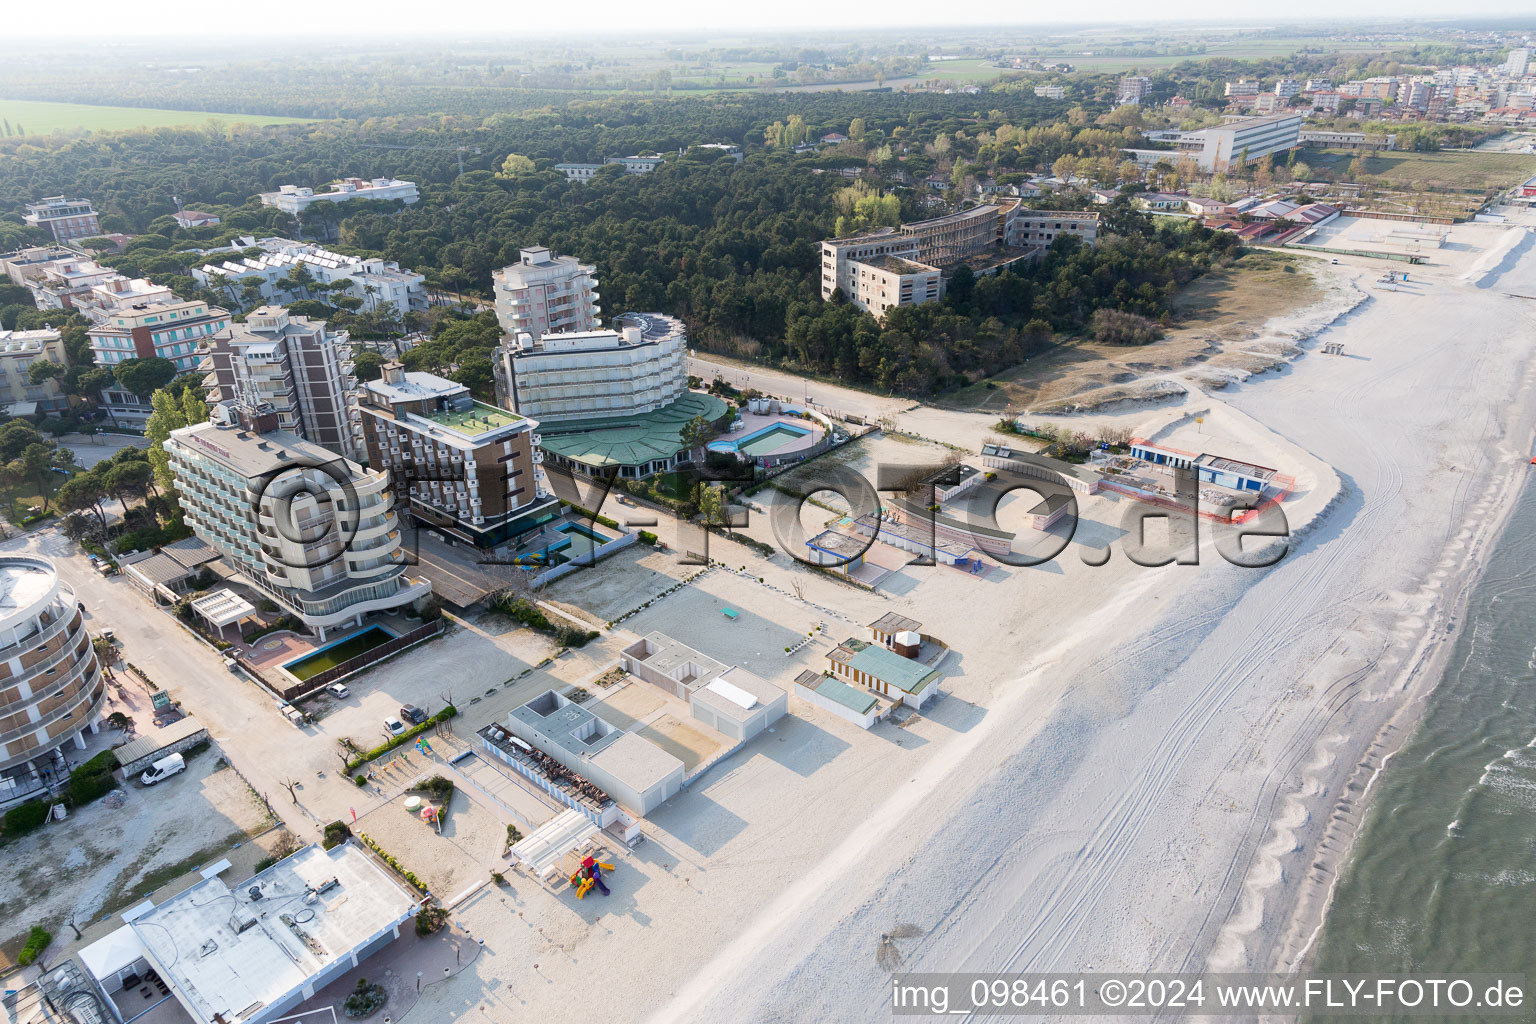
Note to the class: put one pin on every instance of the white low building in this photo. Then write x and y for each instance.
(295, 199)
(378, 283)
(251, 953)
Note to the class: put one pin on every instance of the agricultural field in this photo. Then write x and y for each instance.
(1479, 171)
(38, 118)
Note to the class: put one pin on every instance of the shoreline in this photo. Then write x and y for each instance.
(1417, 682)
(1279, 914)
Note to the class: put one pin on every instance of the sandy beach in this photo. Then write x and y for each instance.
(1182, 796)
(1133, 768)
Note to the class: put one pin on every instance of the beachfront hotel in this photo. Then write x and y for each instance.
(51, 690)
(315, 532)
(464, 468)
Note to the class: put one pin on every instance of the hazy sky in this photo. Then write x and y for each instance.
(501, 17)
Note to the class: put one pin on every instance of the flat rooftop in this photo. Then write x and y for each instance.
(898, 265)
(729, 693)
(1226, 465)
(860, 702)
(227, 952)
(254, 454)
(479, 418)
(672, 657)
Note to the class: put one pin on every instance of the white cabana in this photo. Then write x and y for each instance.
(540, 853)
(222, 608)
(110, 959)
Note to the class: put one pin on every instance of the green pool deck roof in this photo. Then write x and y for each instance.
(477, 419)
(851, 697)
(907, 674)
(630, 440)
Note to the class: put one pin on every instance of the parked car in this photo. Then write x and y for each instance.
(106, 568)
(1334, 261)
(413, 714)
(163, 769)
(394, 725)
(231, 664)
(338, 690)
(110, 636)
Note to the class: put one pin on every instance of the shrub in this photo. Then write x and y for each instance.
(361, 780)
(498, 878)
(1113, 327)
(648, 538)
(367, 999)
(24, 818)
(410, 734)
(37, 941)
(430, 920)
(439, 788)
(336, 833)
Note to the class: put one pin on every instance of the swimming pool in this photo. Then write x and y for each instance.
(763, 441)
(338, 651)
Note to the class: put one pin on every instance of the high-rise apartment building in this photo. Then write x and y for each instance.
(67, 219)
(545, 292)
(637, 368)
(19, 396)
(317, 533)
(1133, 89)
(51, 690)
(176, 331)
(295, 366)
(466, 468)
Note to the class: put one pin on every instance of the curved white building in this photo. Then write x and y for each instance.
(637, 368)
(316, 532)
(51, 688)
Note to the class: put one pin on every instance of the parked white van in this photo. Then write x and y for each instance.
(164, 769)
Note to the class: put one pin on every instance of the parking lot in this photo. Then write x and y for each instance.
(103, 857)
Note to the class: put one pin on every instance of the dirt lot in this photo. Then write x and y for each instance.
(1219, 317)
(101, 859)
(465, 852)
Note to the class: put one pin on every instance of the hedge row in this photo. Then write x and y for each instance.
(409, 876)
(399, 741)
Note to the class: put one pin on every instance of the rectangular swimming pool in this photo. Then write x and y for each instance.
(338, 651)
(764, 441)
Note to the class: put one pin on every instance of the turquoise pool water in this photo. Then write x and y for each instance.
(764, 441)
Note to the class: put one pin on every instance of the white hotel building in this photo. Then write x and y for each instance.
(316, 533)
(379, 283)
(295, 199)
(544, 292)
(560, 377)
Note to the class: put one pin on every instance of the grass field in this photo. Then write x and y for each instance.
(1480, 170)
(45, 118)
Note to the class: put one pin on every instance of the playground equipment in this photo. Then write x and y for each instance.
(589, 874)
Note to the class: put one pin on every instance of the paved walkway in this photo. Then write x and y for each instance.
(406, 968)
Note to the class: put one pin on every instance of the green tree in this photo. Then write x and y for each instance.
(515, 165)
(44, 369)
(168, 415)
(84, 492)
(144, 376)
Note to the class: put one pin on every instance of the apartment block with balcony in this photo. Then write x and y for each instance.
(464, 468)
(316, 533)
(51, 688)
(173, 330)
(66, 219)
(297, 367)
(378, 283)
(544, 292)
(18, 351)
(878, 270)
(59, 284)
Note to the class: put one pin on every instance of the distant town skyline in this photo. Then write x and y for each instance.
(398, 17)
